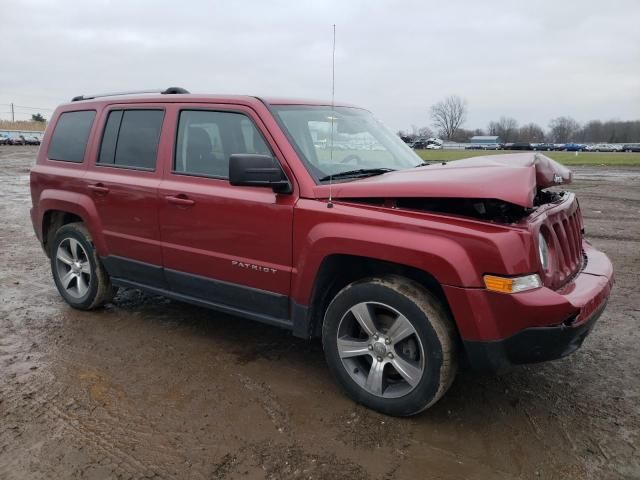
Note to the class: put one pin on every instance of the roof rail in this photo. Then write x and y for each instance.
(168, 91)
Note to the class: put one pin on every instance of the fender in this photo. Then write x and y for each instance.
(456, 252)
(78, 204)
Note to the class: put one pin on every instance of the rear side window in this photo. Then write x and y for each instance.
(69, 140)
(206, 140)
(130, 138)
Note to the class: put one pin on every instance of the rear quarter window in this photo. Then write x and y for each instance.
(70, 136)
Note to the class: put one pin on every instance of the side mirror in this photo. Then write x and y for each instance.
(246, 169)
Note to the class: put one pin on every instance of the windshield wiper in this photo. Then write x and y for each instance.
(361, 172)
(425, 164)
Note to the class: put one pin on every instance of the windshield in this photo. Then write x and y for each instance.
(360, 142)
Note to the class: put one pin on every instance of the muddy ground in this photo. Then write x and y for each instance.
(152, 388)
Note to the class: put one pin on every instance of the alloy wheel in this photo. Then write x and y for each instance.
(73, 267)
(380, 349)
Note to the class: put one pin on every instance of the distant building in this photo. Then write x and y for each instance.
(484, 139)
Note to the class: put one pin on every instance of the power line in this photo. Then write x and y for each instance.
(24, 107)
(34, 108)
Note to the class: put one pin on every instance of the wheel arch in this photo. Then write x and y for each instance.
(59, 208)
(336, 271)
(52, 220)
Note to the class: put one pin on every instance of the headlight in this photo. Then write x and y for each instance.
(543, 251)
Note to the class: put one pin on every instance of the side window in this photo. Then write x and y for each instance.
(130, 138)
(206, 139)
(69, 140)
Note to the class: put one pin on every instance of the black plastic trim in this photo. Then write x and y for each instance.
(301, 323)
(532, 345)
(134, 270)
(237, 296)
(277, 322)
(252, 303)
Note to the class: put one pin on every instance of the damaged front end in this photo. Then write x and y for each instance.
(488, 209)
(499, 188)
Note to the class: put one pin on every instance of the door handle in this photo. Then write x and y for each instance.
(180, 199)
(98, 188)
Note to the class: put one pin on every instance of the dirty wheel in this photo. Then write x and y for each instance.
(77, 270)
(390, 344)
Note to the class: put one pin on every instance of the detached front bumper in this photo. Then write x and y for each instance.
(501, 330)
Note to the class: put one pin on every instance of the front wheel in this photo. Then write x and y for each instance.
(390, 344)
(77, 271)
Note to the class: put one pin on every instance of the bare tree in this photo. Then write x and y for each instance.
(462, 135)
(531, 132)
(449, 114)
(425, 132)
(563, 129)
(506, 128)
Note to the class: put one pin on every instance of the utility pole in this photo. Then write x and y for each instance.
(13, 115)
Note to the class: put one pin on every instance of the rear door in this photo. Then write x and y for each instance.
(123, 182)
(227, 245)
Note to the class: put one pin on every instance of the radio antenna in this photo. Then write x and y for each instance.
(333, 106)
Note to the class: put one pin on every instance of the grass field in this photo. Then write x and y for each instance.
(567, 158)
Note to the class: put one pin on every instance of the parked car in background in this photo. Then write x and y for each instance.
(631, 147)
(574, 147)
(419, 145)
(547, 147)
(15, 139)
(4, 139)
(602, 147)
(434, 146)
(491, 146)
(521, 146)
(31, 140)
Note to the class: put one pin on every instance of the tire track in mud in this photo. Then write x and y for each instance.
(284, 460)
(103, 443)
(40, 398)
(268, 401)
(108, 424)
(100, 435)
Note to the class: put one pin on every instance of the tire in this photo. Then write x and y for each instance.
(423, 344)
(77, 271)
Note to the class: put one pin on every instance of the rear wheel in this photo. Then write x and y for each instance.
(77, 270)
(390, 344)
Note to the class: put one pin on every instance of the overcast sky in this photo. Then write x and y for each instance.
(533, 60)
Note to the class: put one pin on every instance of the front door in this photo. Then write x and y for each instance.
(228, 246)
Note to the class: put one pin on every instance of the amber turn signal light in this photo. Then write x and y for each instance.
(495, 283)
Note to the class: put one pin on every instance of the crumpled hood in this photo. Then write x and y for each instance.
(513, 178)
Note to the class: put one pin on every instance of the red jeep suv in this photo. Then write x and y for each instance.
(317, 219)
